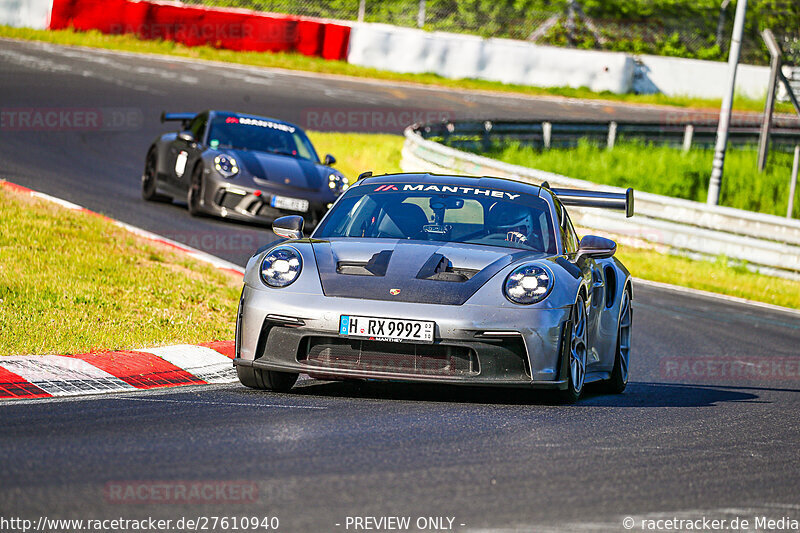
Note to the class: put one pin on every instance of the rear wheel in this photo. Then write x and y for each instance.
(576, 369)
(150, 180)
(256, 378)
(619, 375)
(195, 190)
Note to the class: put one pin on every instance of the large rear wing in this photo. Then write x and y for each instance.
(607, 200)
(185, 118)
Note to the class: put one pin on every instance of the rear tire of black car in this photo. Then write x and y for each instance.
(619, 375)
(256, 378)
(150, 180)
(195, 190)
(576, 366)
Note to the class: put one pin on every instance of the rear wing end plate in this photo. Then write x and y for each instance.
(622, 201)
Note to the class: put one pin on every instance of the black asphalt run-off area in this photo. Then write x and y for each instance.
(709, 425)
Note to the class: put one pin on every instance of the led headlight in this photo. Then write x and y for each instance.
(528, 284)
(336, 181)
(281, 267)
(226, 165)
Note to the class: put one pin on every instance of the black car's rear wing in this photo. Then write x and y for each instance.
(186, 118)
(607, 200)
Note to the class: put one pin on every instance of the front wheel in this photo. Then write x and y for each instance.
(577, 353)
(256, 378)
(619, 375)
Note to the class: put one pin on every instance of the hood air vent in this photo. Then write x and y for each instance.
(440, 268)
(376, 266)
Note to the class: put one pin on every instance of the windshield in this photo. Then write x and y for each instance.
(247, 133)
(444, 213)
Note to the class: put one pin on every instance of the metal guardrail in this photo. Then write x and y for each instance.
(768, 243)
(784, 135)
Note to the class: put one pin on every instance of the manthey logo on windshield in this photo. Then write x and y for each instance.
(261, 123)
(448, 189)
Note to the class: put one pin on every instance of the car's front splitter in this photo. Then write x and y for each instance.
(291, 332)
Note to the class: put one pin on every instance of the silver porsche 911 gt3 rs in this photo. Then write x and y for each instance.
(452, 279)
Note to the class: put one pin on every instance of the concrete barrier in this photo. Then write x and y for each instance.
(26, 13)
(467, 56)
(677, 76)
(457, 56)
(768, 243)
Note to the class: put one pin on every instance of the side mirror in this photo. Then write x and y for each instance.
(329, 160)
(596, 247)
(290, 227)
(186, 136)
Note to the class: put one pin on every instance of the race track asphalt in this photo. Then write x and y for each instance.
(708, 427)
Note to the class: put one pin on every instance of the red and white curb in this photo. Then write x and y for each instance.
(45, 376)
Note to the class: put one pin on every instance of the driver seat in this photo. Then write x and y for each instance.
(402, 221)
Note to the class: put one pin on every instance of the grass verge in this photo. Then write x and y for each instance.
(358, 152)
(71, 282)
(720, 276)
(293, 61)
(667, 171)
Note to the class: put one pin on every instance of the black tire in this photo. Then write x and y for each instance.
(256, 378)
(576, 366)
(149, 180)
(194, 192)
(619, 375)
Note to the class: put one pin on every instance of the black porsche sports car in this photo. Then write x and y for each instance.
(241, 166)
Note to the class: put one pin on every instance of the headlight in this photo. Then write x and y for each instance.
(528, 284)
(336, 181)
(226, 165)
(281, 267)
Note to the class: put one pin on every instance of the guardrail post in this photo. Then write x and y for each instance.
(793, 184)
(612, 134)
(449, 128)
(766, 122)
(486, 141)
(547, 130)
(688, 135)
(362, 8)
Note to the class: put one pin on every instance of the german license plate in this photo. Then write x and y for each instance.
(291, 204)
(386, 329)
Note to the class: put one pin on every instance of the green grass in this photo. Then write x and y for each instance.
(358, 152)
(720, 276)
(667, 171)
(71, 282)
(292, 61)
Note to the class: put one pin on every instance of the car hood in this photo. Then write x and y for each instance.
(283, 170)
(409, 271)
